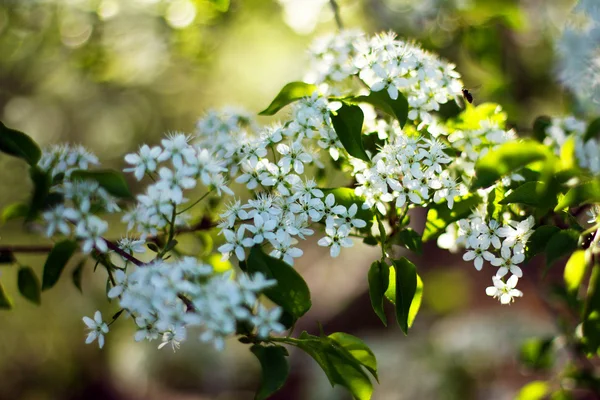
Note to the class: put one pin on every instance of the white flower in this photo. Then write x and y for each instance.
(56, 219)
(508, 262)
(177, 149)
(337, 237)
(506, 292)
(516, 232)
(348, 217)
(235, 243)
(478, 255)
(174, 336)
(121, 285)
(144, 161)
(97, 327)
(130, 245)
(90, 231)
(267, 321)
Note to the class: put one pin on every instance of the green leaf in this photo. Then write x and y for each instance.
(560, 244)
(396, 108)
(539, 127)
(536, 390)
(42, 181)
(348, 122)
(528, 193)
(55, 263)
(440, 216)
(536, 353)
(575, 270)
(340, 366)
(291, 92)
(586, 193)
(14, 211)
(406, 288)
(410, 239)
(220, 5)
(591, 313)
(379, 279)
(416, 302)
(539, 239)
(593, 130)
(291, 291)
(20, 145)
(275, 369)
(29, 285)
(112, 181)
(507, 159)
(346, 197)
(78, 274)
(359, 350)
(5, 301)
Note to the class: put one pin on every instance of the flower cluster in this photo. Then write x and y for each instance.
(167, 299)
(80, 200)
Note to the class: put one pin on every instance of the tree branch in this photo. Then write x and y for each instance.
(336, 13)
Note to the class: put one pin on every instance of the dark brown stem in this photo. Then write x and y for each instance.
(336, 13)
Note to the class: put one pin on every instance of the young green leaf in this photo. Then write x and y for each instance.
(406, 288)
(560, 244)
(410, 239)
(348, 122)
(396, 108)
(586, 193)
(359, 350)
(528, 193)
(20, 145)
(55, 263)
(593, 130)
(379, 279)
(221, 5)
(506, 159)
(439, 215)
(112, 181)
(291, 92)
(539, 239)
(14, 211)
(275, 369)
(575, 270)
(536, 390)
(536, 353)
(5, 301)
(540, 125)
(291, 291)
(29, 285)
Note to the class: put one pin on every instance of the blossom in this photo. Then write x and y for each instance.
(337, 237)
(506, 292)
(97, 327)
(478, 255)
(145, 160)
(174, 336)
(267, 321)
(508, 262)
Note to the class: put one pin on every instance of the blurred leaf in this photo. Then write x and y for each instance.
(112, 181)
(508, 158)
(539, 239)
(348, 122)
(291, 291)
(219, 265)
(396, 108)
(591, 313)
(540, 125)
(410, 239)
(275, 369)
(536, 390)
(291, 92)
(537, 353)
(29, 285)
(153, 247)
(527, 193)
(55, 263)
(42, 181)
(5, 301)
(78, 274)
(220, 5)
(20, 145)
(406, 288)
(379, 279)
(439, 215)
(575, 270)
(593, 130)
(340, 366)
(7, 257)
(14, 211)
(586, 193)
(358, 349)
(560, 244)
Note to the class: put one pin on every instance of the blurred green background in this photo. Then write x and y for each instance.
(111, 74)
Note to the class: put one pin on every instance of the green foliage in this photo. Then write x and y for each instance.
(341, 366)
(291, 92)
(537, 353)
(410, 239)
(29, 285)
(77, 274)
(439, 215)
(539, 239)
(57, 260)
(575, 271)
(405, 291)
(358, 349)
(112, 181)
(396, 108)
(5, 301)
(539, 127)
(275, 369)
(220, 5)
(560, 245)
(585, 193)
(528, 193)
(379, 280)
(592, 130)
(20, 145)
(591, 313)
(536, 390)
(291, 291)
(508, 158)
(348, 122)
(42, 182)
(14, 211)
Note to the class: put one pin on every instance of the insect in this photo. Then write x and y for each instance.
(467, 95)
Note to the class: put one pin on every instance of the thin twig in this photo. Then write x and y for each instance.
(336, 13)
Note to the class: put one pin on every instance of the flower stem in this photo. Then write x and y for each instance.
(336, 13)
